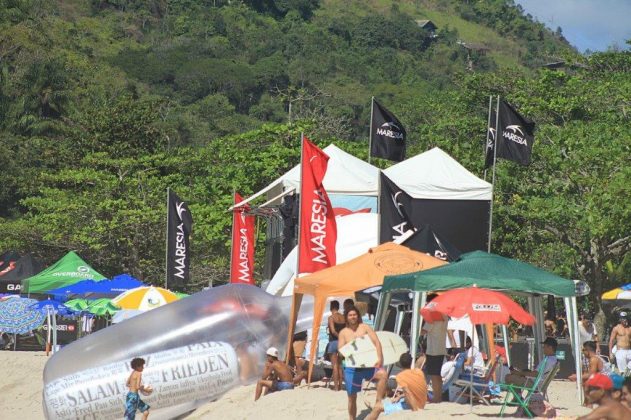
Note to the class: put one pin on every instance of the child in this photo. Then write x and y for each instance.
(134, 383)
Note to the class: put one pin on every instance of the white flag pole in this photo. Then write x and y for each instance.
(497, 134)
(300, 197)
(488, 132)
(166, 252)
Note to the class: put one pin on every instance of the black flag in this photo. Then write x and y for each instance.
(394, 204)
(179, 225)
(388, 134)
(516, 136)
(428, 241)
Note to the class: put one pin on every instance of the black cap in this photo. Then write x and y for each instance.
(551, 342)
(405, 361)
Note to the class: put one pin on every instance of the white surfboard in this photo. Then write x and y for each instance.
(361, 352)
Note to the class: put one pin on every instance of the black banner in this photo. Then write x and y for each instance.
(428, 241)
(25, 267)
(516, 136)
(462, 223)
(388, 135)
(179, 226)
(393, 202)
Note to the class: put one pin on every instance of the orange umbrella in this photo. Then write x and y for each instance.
(482, 305)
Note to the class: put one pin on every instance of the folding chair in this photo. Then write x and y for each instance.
(514, 393)
(477, 385)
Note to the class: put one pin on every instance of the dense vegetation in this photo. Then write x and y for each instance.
(105, 103)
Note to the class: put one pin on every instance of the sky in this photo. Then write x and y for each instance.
(586, 24)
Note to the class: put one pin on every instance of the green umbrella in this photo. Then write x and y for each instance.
(181, 295)
(102, 306)
(78, 304)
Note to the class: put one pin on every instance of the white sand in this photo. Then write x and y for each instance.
(21, 398)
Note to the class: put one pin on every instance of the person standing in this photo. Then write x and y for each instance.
(621, 335)
(336, 324)
(353, 377)
(133, 402)
(436, 332)
(587, 330)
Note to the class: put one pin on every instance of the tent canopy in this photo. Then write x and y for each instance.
(484, 270)
(357, 274)
(437, 176)
(98, 289)
(68, 270)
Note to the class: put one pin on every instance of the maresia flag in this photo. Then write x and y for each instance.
(515, 136)
(179, 226)
(318, 230)
(242, 261)
(387, 134)
(394, 207)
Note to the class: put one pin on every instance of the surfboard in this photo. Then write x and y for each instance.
(361, 352)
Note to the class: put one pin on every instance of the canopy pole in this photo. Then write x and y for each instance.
(572, 319)
(539, 327)
(372, 109)
(416, 314)
(382, 310)
(505, 339)
(497, 118)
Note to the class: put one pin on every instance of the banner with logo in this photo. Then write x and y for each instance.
(460, 225)
(318, 231)
(242, 261)
(179, 226)
(516, 136)
(25, 267)
(70, 269)
(387, 134)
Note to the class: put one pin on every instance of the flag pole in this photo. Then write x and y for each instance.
(166, 271)
(372, 109)
(379, 209)
(300, 194)
(497, 134)
(488, 132)
(234, 214)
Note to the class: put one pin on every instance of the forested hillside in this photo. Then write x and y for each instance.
(106, 103)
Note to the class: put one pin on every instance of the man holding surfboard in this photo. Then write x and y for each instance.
(353, 376)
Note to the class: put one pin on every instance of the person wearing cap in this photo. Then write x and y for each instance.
(277, 375)
(521, 378)
(618, 382)
(411, 392)
(599, 389)
(621, 335)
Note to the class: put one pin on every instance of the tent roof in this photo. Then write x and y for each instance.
(484, 270)
(68, 270)
(436, 175)
(364, 271)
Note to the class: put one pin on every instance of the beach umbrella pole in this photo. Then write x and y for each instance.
(48, 333)
(15, 341)
(54, 331)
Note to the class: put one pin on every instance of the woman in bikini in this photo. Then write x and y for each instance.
(336, 324)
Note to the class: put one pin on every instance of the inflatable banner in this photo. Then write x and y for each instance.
(196, 349)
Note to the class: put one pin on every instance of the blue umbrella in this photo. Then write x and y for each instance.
(52, 306)
(98, 289)
(17, 316)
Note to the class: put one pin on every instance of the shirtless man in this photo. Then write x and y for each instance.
(594, 363)
(277, 375)
(599, 388)
(621, 334)
(353, 377)
(133, 402)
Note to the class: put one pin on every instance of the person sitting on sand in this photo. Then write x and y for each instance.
(353, 377)
(411, 393)
(599, 388)
(133, 402)
(594, 363)
(277, 375)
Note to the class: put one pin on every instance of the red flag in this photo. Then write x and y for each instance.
(318, 231)
(242, 269)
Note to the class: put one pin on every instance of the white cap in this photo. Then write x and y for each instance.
(272, 351)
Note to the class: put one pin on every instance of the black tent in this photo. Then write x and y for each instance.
(25, 267)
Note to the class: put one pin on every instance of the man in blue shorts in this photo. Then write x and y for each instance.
(353, 377)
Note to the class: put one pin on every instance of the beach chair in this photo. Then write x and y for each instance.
(479, 384)
(515, 393)
(543, 389)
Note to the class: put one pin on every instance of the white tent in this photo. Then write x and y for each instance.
(346, 175)
(356, 234)
(436, 175)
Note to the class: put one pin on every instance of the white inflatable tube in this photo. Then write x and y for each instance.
(195, 349)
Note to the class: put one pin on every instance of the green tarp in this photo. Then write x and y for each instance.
(485, 270)
(68, 270)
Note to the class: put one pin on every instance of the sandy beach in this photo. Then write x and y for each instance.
(21, 398)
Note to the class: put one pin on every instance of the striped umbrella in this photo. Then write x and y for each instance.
(620, 296)
(144, 298)
(17, 316)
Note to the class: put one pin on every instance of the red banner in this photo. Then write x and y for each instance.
(318, 231)
(242, 269)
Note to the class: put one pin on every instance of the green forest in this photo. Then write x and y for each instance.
(106, 103)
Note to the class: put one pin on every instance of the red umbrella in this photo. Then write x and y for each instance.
(482, 305)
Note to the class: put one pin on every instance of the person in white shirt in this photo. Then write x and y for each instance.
(474, 357)
(587, 330)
